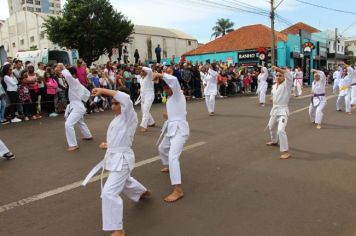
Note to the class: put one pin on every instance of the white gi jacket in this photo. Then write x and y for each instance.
(146, 83)
(345, 83)
(210, 80)
(119, 138)
(176, 110)
(298, 74)
(76, 93)
(337, 77)
(281, 95)
(262, 81)
(318, 89)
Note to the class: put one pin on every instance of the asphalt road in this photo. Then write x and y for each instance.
(234, 184)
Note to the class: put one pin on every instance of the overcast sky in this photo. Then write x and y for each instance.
(198, 20)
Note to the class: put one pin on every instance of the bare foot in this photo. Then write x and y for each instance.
(285, 156)
(349, 113)
(165, 170)
(153, 125)
(146, 195)
(211, 114)
(174, 196)
(87, 139)
(271, 144)
(318, 126)
(72, 149)
(118, 233)
(143, 130)
(262, 104)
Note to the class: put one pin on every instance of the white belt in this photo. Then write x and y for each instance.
(101, 165)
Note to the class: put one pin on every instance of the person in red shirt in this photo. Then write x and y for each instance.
(247, 81)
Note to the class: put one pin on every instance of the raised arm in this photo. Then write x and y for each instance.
(321, 74)
(121, 97)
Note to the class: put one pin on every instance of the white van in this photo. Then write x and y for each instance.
(48, 56)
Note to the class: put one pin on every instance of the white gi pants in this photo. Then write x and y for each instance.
(353, 95)
(146, 104)
(316, 112)
(298, 85)
(340, 101)
(3, 148)
(74, 117)
(262, 90)
(112, 205)
(277, 126)
(170, 150)
(210, 103)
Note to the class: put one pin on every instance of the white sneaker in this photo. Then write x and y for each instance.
(53, 114)
(15, 120)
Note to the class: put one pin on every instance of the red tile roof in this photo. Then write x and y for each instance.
(244, 38)
(294, 29)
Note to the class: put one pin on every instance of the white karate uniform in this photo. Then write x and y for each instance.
(75, 109)
(147, 97)
(3, 148)
(175, 130)
(119, 161)
(344, 86)
(262, 85)
(337, 76)
(353, 87)
(319, 101)
(210, 81)
(298, 82)
(280, 111)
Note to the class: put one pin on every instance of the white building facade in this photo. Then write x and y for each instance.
(39, 6)
(336, 51)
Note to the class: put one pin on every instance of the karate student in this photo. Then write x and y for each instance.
(344, 86)
(353, 89)
(4, 151)
(119, 161)
(262, 85)
(75, 110)
(175, 132)
(281, 91)
(318, 101)
(147, 96)
(298, 82)
(210, 83)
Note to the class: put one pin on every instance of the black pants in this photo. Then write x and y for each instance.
(34, 98)
(14, 99)
(50, 103)
(28, 109)
(158, 58)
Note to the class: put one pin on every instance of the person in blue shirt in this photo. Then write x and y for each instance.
(158, 51)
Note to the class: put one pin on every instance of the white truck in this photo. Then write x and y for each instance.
(48, 56)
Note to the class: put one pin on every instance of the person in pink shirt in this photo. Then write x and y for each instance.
(32, 81)
(51, 91)
(82, 73)
(247, 81)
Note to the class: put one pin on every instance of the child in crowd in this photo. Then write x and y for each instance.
(51, 90)
(247, 81)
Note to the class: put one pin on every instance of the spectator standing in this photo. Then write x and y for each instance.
(11, 90)
(158, 52)
(25, 99)
(51, 89)
(41, 86)
(2, 104)
(82, 73)
(32, 81)
(137, 56)
(126, 55)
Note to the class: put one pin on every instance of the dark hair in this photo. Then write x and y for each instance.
(73, 71)
(124, 90)
(5, 69)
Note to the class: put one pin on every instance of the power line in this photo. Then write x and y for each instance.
(327, 8)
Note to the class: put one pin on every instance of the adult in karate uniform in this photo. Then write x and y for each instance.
(337, 76)
(210, 83)
(344, 86)
(5, 152)
(175, 132)
(147, 96)
(262, 85)
(75, 110)
(281, 91)
(298, 82)
(318, 101)
(119, 161)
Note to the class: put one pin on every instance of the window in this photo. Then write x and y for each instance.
(338, 48)
(342, 48)
(32, 39)
(29, 1)
(22, 41)
(42, 35)
(13, 45)
(51, 11)
(31, 9)
(37, 2)
(52, 4)
(58, 5)
(190, 43)
(38, 9)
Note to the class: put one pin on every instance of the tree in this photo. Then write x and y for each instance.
(93, 27)
(222, 27)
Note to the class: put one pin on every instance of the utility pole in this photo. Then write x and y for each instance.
(273, 49)
(335, 47)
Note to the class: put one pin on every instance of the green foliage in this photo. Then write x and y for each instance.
(93, 27)
(222, 27)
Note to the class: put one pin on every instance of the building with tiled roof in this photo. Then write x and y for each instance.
(244, 38)
(295, 29)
